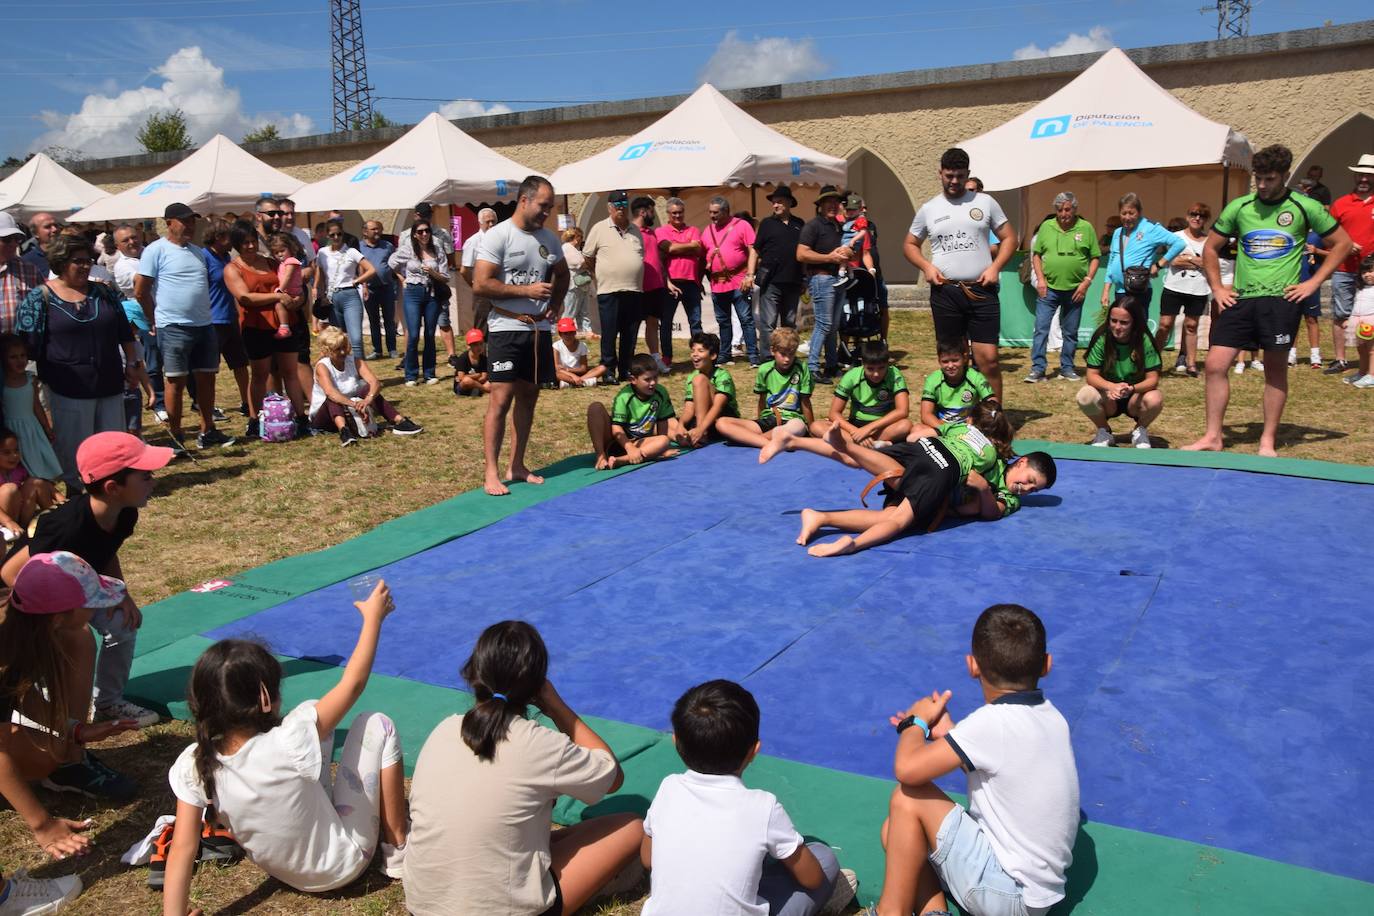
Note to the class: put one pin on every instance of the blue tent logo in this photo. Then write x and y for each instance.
(637, 151)
(152, 186)
(796, 165)
(500, 187)
(1049, 127)
(365, 173)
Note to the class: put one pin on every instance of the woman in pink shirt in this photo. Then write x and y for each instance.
(729, 244)
(680, 247)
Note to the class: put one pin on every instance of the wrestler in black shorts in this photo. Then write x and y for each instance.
(966, 310)
(511, 357)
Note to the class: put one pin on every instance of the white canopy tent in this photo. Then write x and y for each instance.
(218, 178)
(43, 185)
(434, 161)
(706, 141)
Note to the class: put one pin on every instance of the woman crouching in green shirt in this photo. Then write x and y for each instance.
(1123, 374)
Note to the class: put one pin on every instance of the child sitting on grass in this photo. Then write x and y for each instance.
(716, 846)
(572, 369)
(784, 388)
(710, 392)
(470, 375)
(641, 424)
(267, 777)
(1008, 853)
(24, 414)
(21, 497)
(875, 397)
(950, 392)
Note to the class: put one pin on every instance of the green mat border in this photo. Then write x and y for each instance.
(1118, 871)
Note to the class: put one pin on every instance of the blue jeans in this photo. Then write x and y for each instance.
(381, 313)
(785, 897)
(822, 288)
(777, 308)
(744, 308)
(347, 305)
(420, 305)
(691, 303)
(116, 654)
(1070, 315)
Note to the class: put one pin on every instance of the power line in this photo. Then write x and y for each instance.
(315, 11)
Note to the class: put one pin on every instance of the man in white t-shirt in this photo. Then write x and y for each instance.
(481, 307)
(1008, 853)
(520, 268)
(962, 271)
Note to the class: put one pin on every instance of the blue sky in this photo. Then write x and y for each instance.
(83, 74)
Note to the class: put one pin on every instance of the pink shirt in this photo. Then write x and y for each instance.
(681, 266)
(653, 261)
(726, 266)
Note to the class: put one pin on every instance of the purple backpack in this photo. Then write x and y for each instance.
(276, 421)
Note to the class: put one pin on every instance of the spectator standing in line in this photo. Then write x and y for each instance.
(1138, 242)
(729, 244)
(381, 289)
(962, 271)
(682, 250)
(343, 271)
(17, 275)
(820, 253)
(224, 314)
(423, 268)
(520, 267)
(267, 219)
(614, 256)
(1186, 290)
(1355, 213)
(444, 240)
(287, 206)
(1066, 256)
(174, 289)
(659, 303)
(777, 274)
(580, 283)
(43, 228)
(481, 307)
(1318, 192)
(128, 242)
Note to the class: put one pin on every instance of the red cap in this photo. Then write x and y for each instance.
(474, 335)
(109, 453)
(567, 326)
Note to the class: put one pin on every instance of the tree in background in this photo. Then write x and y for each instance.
(14, 162)
(262, 134)
(165, 132)
(377, 121)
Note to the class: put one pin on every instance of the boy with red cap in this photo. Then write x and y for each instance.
(116, 469)
(471, 368)
(571, 353)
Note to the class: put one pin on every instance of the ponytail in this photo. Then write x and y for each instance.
(506, 671)
(225, 695)
(991, 420)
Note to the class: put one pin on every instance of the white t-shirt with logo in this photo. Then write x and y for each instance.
(1190, 281)
(958, 231)
(523, 257)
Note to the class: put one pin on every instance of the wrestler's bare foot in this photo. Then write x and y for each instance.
(780, 440)
(524, 474)
(835, 436)
(495, 487)
(671, 453)
(1205, 444)
(1267, 449)
(603, 463)
(810, 524)
(836, 548)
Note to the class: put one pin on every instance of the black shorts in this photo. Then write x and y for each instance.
(1171, 303)
(930, 475)
(300, 337)
(1119, 407)
(259, 344)
(230, 340)
(966, 310)
(511, 357)
(1259, 323)
(658, 303)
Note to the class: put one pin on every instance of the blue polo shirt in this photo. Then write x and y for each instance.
(222, 307)
(182, 294)
(377, 257)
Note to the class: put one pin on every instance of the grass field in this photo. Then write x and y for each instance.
(251, 504)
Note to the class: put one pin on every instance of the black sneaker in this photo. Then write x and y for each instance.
(91, 778)
(401, 366)
(407, 427)
(243, 409)
(179, 449)
(346, 435)
(213, 437)
(1336, 368)
(303, 430)
(254, 430)
(218, 416)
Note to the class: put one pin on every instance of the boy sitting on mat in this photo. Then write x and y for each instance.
(1007, 854)
(950, 392)
(710, 392)
(715, 846)
(784, 389)
(874, 395)
(641, 423)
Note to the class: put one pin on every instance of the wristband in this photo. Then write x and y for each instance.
(913, 720)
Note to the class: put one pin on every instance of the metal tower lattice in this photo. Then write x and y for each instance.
(1233, 18)
(352, 94)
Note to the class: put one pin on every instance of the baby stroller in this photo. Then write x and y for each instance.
(860, 317)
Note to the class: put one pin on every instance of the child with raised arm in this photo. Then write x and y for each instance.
(1008, 853)
(267, 777)
(710, 393)
(715, 846)
(641, 424)
(950, 392)
(784, 388)
(871, 402)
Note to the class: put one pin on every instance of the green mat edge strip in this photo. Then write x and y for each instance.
(1220, 461)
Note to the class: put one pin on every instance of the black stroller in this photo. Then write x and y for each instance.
(860, 318)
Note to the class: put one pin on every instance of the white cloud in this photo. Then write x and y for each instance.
(467, 108)
(1099, 38)
(107, 123)
(762, 62)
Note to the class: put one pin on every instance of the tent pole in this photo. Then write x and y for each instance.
(1024, 239)
(754, 201)
(1225, 184)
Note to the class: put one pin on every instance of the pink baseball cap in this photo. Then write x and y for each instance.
(109, 453)
(567, 326)
(57, 582)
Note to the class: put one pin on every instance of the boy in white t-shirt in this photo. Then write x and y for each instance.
(1007, 854)
(716, 846)
(572, 358)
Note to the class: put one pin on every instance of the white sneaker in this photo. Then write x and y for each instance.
(1257, 364)
(1292, 356)
(411, 383)
(591, 382)
(123, 709)
(1352, 378)
(563, 384)
(1180, 369)
(393, 860)
(160, 414)
(1140, 437)
(34, 897)
(432, 380)
(846, 886)
(1103, 438)
(663, 368)
(1240, 368)
(1364, 381)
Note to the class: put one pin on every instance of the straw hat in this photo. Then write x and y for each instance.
(1365, 165)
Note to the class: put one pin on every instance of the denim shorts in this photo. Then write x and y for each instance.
(969, 870)
(1343, 286)
(187, 348)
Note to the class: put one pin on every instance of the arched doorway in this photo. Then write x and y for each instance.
(1341, 146)
(890, 207)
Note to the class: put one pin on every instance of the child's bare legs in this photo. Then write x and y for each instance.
(787, 439)
(1365, 348)
(599, 428)
(12, 502)
(597, 371)
(470, 383)
(879, 528)
(586, 856)
(568, 377)
(650, 449)
(914, 816)
(283, 320)
(745, 432)
(779, 437)
(813, 520)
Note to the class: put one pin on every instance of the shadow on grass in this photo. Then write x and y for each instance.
(1019, 417)
(201, 473)
(1289, 434)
